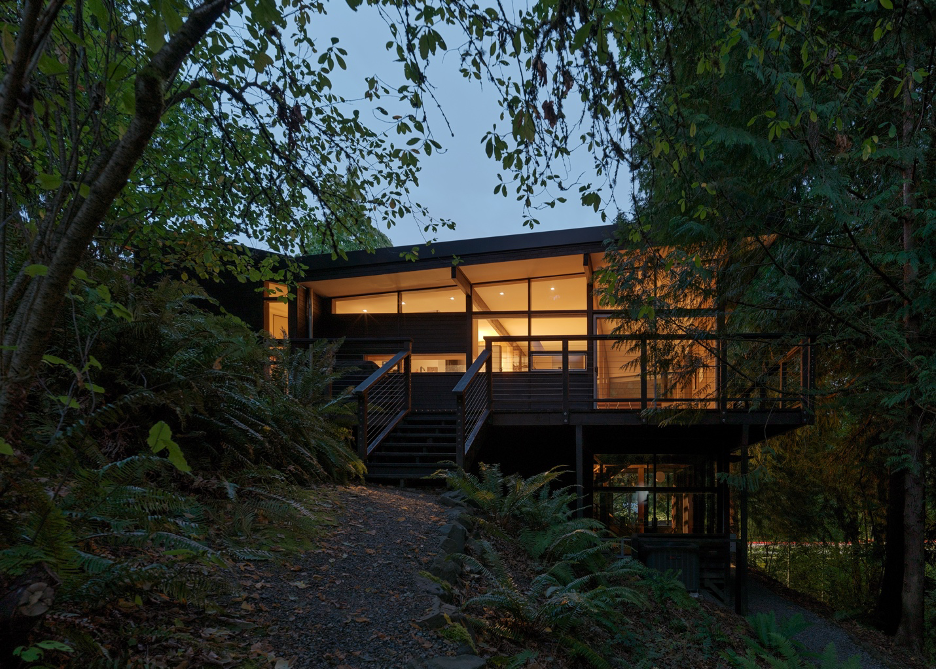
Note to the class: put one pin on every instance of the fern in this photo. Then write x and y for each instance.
(111, 519)
(775, 646)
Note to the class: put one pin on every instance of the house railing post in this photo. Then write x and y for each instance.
(643, 373)
(565, 381)
(488, 369)
(723, 375)
(490, 378)
(362, 427)
(408, 380)
(460, 430)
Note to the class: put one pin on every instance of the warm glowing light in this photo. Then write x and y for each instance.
(502, 293)
(552, 288)
(403, 303)
(363, 310)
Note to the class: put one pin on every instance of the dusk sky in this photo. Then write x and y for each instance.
(459, 183)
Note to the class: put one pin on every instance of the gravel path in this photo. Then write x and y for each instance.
(821, 631)
(351, 601)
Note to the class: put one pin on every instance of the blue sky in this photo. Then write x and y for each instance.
(459, 183)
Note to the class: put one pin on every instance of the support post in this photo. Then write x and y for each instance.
(580, 470)
(488, 366)
(643, 373)
(408, 371)
(565, 381)
(741, 554)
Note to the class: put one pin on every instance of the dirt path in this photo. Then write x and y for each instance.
(351, 601)
(821, 631)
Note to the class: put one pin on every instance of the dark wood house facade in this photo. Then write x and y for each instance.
(497, 350)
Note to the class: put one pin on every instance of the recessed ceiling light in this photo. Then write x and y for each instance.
(502, 293)
(363, 310)
(402, 303)
(552, 288)
(452, 298)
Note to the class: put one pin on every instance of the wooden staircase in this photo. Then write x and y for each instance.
(417, 447)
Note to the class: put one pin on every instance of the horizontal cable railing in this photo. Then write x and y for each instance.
(639, 372)
(473, 404)
(384, 398)
(354, 358)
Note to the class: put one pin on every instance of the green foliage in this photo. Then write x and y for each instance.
(775, 646)
(512, 499)
(105, 511)
(457, 633)
(37, 651)
(558, 600)
(515, 661)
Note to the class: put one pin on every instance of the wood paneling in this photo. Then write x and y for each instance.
(431, 333)
(433, 391)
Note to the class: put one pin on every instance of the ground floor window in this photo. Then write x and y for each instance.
(275, 312)
(655, 493)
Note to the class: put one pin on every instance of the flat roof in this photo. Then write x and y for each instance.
(478, 250)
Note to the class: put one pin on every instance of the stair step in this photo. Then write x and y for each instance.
(418, 446)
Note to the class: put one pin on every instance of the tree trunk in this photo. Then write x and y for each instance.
(888, 609)
(36, 312)
(910, 630)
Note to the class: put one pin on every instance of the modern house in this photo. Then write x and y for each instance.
(498, 350)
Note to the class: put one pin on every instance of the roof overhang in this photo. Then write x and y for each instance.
(479, 260)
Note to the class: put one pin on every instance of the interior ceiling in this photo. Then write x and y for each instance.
(476, 274)
(533, 267)
(397, 281)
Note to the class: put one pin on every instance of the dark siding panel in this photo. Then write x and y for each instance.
(431, 333)
(302, 313)
(433, 390)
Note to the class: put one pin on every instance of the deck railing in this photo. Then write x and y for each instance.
(473, 404)
(384, 398)
(639, 372)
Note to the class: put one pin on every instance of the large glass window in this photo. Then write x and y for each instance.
(555, 293)
(275, 312)
(433, 300)
(662, 493)
(507, 356)
(500, 297)
(679, 372)
(380, 303)
(425, 362)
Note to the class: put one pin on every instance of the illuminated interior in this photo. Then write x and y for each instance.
(381, 303)
(433, 300)
(426, 362)
(501, 297)
(506, 356)
(555, 293)
(275, 312)
(680, 373)
(655, 493)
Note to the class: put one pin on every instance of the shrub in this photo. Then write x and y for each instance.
(247, 427)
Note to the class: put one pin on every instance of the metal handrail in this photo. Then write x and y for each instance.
(394, 400)
(718, 350)
(471, 413)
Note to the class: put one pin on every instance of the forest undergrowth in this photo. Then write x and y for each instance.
(548, 589)
(163, 444)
